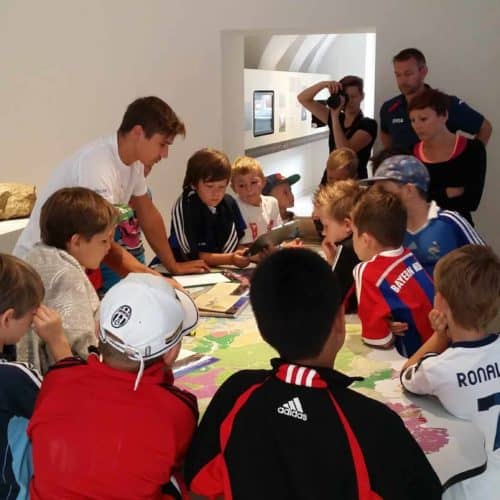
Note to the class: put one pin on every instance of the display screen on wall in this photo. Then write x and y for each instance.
(263, 112)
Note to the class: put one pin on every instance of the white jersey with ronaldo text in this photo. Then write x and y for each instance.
(466, 379)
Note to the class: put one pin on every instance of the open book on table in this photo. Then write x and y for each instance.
(225, 300)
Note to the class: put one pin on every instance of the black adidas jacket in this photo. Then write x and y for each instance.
(284, 440)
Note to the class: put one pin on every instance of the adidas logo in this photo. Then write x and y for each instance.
(293, 409)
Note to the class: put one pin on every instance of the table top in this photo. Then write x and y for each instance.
(452, 446)
(11, 225)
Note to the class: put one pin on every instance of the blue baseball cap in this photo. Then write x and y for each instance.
(274, 179)
(405, 169)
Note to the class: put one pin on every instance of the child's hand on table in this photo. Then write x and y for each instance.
(239, 257)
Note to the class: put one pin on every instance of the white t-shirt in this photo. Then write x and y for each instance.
(259, 220)
(466, 379)
(96, 166)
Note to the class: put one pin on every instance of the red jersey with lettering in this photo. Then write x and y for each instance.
(393, 286)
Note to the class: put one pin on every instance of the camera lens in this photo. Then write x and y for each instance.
(333, 101)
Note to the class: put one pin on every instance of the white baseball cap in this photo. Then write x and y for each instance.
(143, 316)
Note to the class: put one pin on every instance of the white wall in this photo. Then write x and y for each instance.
(346, 56)
(70, 68)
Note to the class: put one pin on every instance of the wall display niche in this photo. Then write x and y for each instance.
(263, 112)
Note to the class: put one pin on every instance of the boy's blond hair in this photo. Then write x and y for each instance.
(382, 215)
(343, 158)
(21, 287)
(244, 165)
(469, 280)
(338, 199)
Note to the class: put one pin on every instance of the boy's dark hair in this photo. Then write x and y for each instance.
(382, 215)
(295, 298)
(352, 81)
(21, 287)
(154, 116)
(74, 210)
(431, 98)
(469, 279)
(411, 53)
(382, 155)
(207, 165)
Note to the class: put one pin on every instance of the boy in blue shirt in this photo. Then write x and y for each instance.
(431, 232)
(21, 293)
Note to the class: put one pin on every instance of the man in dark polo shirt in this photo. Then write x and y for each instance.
(410, 69)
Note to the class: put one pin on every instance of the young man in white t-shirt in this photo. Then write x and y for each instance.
(466, 375)
(261, 213)
(114, 167)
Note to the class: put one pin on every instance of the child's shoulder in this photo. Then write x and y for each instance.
(229, 200)
(269, 203)
(19, 387)
(15, 376)
(389, 261)
(44, 257)
(240, 382)
(269, 200)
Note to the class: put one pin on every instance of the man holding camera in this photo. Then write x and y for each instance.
(342, 113)
(410, 70)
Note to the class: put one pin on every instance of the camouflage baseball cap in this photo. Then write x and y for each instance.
(402, 168)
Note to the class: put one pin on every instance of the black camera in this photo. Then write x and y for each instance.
(334, 100)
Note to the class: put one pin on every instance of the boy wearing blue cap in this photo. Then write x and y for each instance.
(431, 232)
(279, 186)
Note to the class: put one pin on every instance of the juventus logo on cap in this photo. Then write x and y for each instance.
(121, 316)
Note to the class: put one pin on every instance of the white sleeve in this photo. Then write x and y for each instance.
(140, 186)
(247, 236)
(417, 378)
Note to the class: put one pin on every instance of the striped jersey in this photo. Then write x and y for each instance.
(444, 231)
(196, 227)
(19, 386)
(393, 286)
(466, 379)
